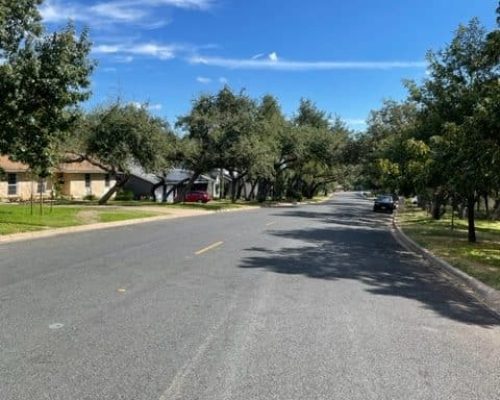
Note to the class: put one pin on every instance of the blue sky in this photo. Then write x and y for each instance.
(346, 55)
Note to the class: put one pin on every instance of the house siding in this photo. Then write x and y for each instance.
(69, 184)
(26, 187)
(74, 185)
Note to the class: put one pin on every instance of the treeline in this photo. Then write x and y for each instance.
(45, 77)
(252, 141)
(443, 142)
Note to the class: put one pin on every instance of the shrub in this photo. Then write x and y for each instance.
(90, 197)
(124, 195)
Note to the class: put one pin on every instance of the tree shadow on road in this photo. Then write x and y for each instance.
(368, 254)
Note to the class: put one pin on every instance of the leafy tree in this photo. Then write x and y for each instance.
(119, 137)
(281, 148)
(237, 135)
(43, 78)
(200, 143)
(19, 19)
(396, 152)
(321, 149)
(452, 99)
(309, 115)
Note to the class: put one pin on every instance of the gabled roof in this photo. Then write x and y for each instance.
(81, 167)
(138, 172)
(12, 166)
(178, 175)
(173, 176)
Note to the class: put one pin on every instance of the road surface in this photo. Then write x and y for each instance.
(310, 302)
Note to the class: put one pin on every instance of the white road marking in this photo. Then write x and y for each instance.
(212, 246)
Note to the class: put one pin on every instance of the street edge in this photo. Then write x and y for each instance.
(485, 294)
(24, 236)
(42, 234)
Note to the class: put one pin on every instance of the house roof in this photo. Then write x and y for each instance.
(177, 175)
(82, 167)
(173, 176)
(139, 173)
(12, 166)
(215, 174)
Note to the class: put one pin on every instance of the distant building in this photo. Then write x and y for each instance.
(73, 180)
(166, 188)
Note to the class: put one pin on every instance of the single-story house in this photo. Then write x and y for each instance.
(166, 188)
(74, 180)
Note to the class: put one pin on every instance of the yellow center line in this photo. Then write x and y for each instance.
(270, 223)
(212, 246)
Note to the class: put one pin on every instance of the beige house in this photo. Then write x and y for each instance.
(74, 180)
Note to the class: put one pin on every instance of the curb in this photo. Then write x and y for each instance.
(18, 237)
(485, 294)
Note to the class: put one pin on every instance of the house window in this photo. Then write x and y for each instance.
(41, 186)
(107, 180)
(87, 181)
(12, 184)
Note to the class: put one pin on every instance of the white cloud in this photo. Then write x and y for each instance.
(54, 11)
(155, 107)
(273, 63)
(119, 11)
(187, 4)
(223, 80)
(162, 52)
(273, 57)
(107, 48)
(257, 56)
(123, 59)
(150, 49)
(145, 13)
(355, 121)
(151, 107)
(203, 80)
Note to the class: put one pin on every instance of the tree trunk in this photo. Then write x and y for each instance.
(174, 187)
(120, 183)
(234, 184)
(495, 214)
(251, 195)
(496, 210)
(437, 202)
(156, 186)
(240, 189)
(263, 191)
(486, 205)
(471, 219)
(245, 191)
(187, 188)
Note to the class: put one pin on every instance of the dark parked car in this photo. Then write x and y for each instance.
(197, 197)
(385, 202)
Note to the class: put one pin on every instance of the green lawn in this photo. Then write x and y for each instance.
(481, 259)
(15, 218)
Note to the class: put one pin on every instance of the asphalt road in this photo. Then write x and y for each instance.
(310, 302)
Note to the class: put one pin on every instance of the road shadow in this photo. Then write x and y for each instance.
(347, 245)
